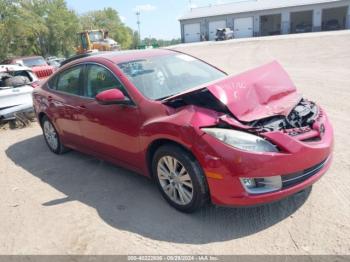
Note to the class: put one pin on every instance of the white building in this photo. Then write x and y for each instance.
(265, 17)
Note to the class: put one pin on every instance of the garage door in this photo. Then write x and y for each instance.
(243, 27)
(215, 25)
(192, 32)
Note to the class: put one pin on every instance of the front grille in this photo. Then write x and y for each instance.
(312, 139)
(298, 177)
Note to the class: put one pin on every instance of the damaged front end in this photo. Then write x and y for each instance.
(304, 123)
(16, 87)
(259, 101)
(259, 139)
(300, 120)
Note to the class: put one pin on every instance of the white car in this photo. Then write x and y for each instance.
(16, 87)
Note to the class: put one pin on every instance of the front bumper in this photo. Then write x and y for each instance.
(224, 166)
(251, 200)
(10, 113)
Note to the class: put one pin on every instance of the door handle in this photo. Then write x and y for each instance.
(82, 107)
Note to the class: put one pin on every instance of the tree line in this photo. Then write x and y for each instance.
(49, 27)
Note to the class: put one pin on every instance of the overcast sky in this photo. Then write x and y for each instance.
(159, 18)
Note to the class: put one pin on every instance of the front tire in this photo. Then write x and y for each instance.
(180, 178)
(51, 136)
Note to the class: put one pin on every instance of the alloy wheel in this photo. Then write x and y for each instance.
(50, 135)
(175, 180)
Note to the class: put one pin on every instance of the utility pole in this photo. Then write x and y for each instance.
(138, 24)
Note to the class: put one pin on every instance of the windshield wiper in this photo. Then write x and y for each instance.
(163, 98)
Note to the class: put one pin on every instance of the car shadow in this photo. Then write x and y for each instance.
(131, 202)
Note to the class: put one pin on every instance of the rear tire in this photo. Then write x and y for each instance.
(180, 178)
(52, 138)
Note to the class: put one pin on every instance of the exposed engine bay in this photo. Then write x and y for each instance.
(301, 117)
(14, 79)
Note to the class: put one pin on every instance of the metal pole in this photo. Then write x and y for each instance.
(138, 24)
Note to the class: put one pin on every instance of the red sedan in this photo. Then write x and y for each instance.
(200, 134)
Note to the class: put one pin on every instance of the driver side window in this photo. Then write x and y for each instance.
(100, 79)
(69, 81)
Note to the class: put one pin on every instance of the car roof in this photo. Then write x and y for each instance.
(79, 56)
(131, 55)
(117, 57)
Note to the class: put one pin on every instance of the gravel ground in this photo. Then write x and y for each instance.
(75, 204)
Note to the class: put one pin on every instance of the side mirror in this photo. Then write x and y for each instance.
(112, 96)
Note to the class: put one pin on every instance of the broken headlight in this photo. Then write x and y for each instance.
(241, 140)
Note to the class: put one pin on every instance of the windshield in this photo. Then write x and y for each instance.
(96, 36)
(36, 61)
(164, 76)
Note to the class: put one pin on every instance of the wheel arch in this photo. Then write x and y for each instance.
(41, 115)
(156, 144)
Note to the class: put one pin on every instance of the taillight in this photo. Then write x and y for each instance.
(35, 84)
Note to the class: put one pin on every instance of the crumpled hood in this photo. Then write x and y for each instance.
(253, 95)
(259, 93)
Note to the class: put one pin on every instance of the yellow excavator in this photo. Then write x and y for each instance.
(95, 40)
